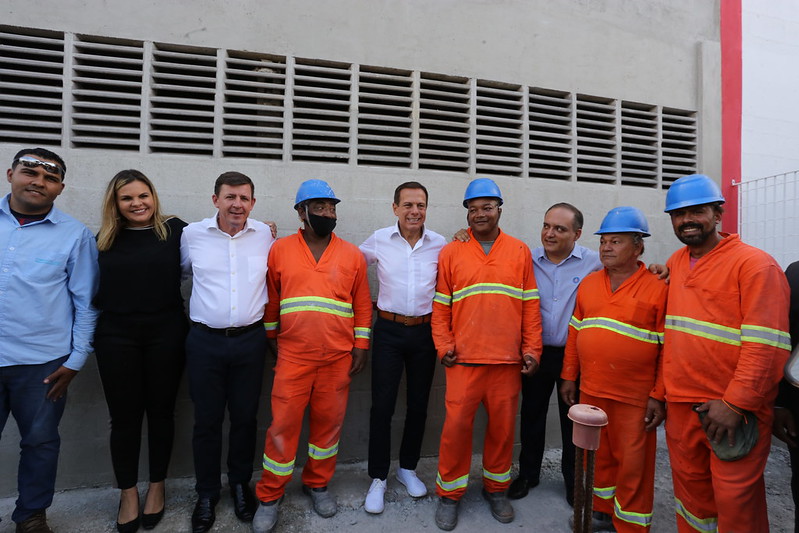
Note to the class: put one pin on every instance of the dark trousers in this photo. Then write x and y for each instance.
(794, 453)
(141, 359)
(224, 372)
(24, 395)
(536, 392)
(396, 347)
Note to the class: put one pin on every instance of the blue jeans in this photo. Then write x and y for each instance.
(24, 395)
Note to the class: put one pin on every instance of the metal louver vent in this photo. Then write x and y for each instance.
(678, 144)
(182, 101)
(596, 139)
(444, 123)
(107, 93)
(385, 106)
(639, 144)
(499, 129)
(321, 122)
(550, 138)
(31, 85)
(253, 110)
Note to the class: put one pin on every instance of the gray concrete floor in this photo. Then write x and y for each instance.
(543, 510)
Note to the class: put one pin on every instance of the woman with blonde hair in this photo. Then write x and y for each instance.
(139, 337)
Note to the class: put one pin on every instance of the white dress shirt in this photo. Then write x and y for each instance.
(229, 286)
(406, 276)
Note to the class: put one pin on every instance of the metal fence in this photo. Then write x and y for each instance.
(768, 215)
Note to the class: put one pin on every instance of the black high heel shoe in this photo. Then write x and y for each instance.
(149, 521)
(128, 527)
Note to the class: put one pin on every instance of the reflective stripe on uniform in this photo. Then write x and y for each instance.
(605, 493)
(622, 328)
(531, 294)
(706, 525)
(315, 452)
(363, 333)
(501, 478)
(768, 336)
(487, 288)
(278, 469)
(270, 326)
(315, 303)
(450, 486)
(443, 299)
(707, 330)
(639, 519)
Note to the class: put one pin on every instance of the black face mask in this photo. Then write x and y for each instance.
(322, 226)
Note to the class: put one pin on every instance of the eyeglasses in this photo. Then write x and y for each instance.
(32, 162)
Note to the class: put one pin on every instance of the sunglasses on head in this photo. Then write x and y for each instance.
(31, 162)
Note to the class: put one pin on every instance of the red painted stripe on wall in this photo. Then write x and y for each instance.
(731, 95)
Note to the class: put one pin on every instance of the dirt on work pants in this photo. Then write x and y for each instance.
(296, 386)
(624, 472)
(497, 388)
(709, 492)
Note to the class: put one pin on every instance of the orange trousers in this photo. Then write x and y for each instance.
(708, 492)
(326, 389)
(497, 388)
(624, 471)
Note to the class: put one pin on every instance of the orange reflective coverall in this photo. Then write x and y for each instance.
(486, 311)
(321, 311)
(726, 338)
(614, 346)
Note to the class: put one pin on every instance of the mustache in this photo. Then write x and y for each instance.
(690, 225)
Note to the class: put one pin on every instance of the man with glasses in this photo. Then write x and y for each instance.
(320, 314)
(48, 277)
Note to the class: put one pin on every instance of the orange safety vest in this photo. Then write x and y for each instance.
(317, 311)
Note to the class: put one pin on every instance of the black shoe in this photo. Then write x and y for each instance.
(128, 527)
(520, 487)
(202, 519)
(149, 521)
(244, 503)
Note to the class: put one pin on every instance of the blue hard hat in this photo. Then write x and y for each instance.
(624, 219)
(696, 189)
(314, 190)
(482, 188)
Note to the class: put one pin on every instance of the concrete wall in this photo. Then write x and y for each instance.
(662, 52)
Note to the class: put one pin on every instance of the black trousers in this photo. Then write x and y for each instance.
(140, 359)
(224, 372)
(536, 392)
(396, 347)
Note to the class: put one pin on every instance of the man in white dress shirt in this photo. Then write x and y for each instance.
(226, 255)
(406, 255)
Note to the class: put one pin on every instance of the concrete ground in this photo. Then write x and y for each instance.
(543, 510)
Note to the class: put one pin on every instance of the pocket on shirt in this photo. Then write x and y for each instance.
(256, 268)
(47, 266)
(343, 279)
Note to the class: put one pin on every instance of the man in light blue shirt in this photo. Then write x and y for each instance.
(559, 265)
(48, 276)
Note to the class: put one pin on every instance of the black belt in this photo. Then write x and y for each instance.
(229, 332)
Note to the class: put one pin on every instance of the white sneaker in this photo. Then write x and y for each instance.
(408, 478)
(374, 498)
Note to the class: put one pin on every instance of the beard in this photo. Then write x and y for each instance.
(694, 239)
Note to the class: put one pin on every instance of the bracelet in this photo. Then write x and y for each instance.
(733, 409)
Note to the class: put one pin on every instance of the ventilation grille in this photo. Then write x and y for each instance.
(550, 139)
(385, 117)
(254, 106)
(499, 141)
(679, 144)
(182, 101)
(87, 91)
(444, 127)
(107, 93)
(31, 85)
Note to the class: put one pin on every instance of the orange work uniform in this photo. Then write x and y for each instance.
(726, 338)
(318, 311)
(614, 346)
(486, 312)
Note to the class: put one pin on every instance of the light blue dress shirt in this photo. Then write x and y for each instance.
(557, 289)
(48, 277)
